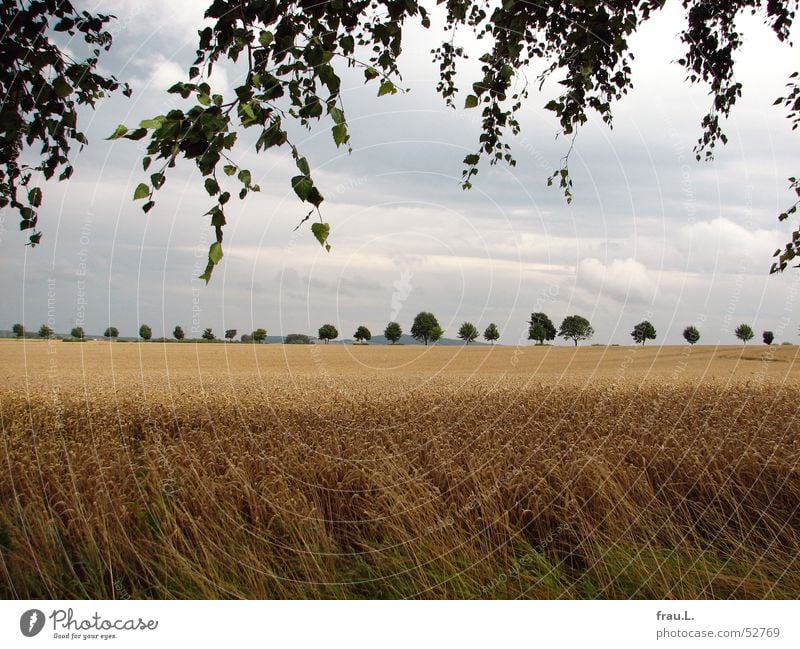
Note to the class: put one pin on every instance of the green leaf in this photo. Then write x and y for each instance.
(229, 170)
(321, 232)
(244, 177)
(472, 159)
(471, 101)
(35, 197)
(215, 252)
(211, 186)
(340, 135)
(302, 186)
(119, 132)
(265, 38)
(337, 115)
(156, 122)
(370, 73)
(142, 191)
(62, 88)
(302, 165)
(386, 88)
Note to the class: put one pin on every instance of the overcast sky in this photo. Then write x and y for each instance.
(650, 234)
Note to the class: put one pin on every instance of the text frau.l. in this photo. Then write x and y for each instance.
(66, 620)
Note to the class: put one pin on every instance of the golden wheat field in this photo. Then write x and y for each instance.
(270, 471)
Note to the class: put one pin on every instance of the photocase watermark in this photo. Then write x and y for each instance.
(67, 626)
(81, 271)
(31, 622)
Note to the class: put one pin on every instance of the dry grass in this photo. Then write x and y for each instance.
(211, 471)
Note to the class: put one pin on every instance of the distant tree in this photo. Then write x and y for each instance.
(230, 334)
(45, 332)
(691, 334)
(362, 334)
(547, 330)
(111, 333)
(537, 332)
(77, 332)
(643, 331)
(393, 332)
(744, 332)
(424, 324)
(575, 328)
(328, 332)
(259, 335)
(177, 333)
(19, 330)
(768, 337)
(145, 332)
(492, 333)
(246, 338)
(297, 339)
(468, 332)
(208, 334)
(436, 333)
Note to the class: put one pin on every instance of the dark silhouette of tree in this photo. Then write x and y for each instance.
(575, 328)
(491, 333)
(643, 331)
(328, 332)
(297, 339)
(259, 335)
(208, 334)
(393, 332)
(468, 332)
(546, 330)
(45, 332)
(362, 334)
(768, 337)
(423, 327)
(537, 332)
(18, 330)
(744, 332)
(77, 332)
(691, 334)
(111, 333)
(230, 334)
(178, 333)
(145, 332)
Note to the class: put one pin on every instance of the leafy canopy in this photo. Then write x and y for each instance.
(575, 328)
(744, 332)
(468, 332)
(393, 332)
(145, 332)
(425, 327)
(328, 332)
(290, 55)
(691, 334)
(492, 333)
(643, 331)
(541, 328)
(768, 337)
(362, 334)
(178, 333)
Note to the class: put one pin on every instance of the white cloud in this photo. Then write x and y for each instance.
(626, 280)
(724, 246)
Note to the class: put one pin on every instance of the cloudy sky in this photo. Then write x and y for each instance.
(650, 234)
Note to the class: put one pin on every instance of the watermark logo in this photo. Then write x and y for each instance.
(31, 622)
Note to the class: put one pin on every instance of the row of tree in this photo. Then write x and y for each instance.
(426, 329)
